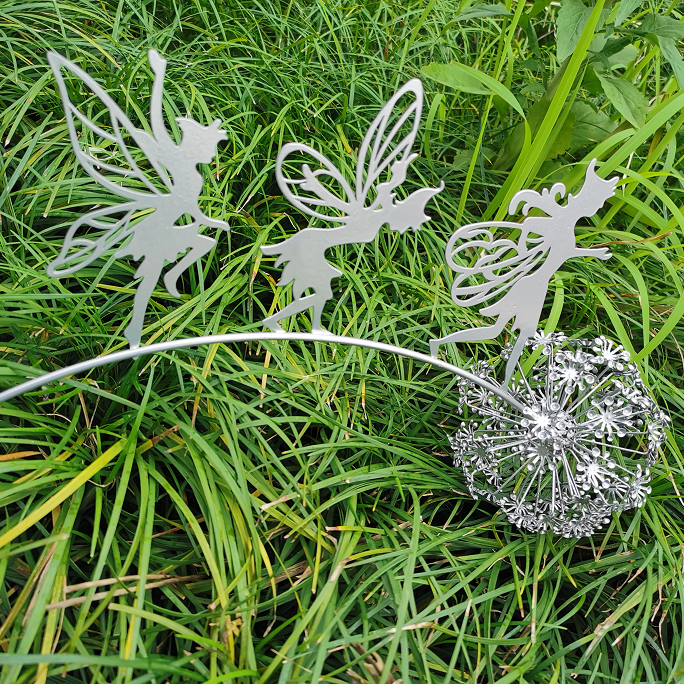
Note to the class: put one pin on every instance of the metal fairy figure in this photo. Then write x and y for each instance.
(361, 211)
(170, 188)
(521, 269)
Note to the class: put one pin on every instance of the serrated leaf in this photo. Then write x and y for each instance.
(563, 137)
(470, 80)
(591, 126)
(670, 52)
(629, 101)
(572, 18)
(663, 27)
(625, 9)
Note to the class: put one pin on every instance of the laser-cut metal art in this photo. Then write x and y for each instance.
(583, 447)
(384, 147)
(560, 449)
(171, 188)
(522, 268)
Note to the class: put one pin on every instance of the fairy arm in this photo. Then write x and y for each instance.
(205, 220)
(161, 135)
(599, 253)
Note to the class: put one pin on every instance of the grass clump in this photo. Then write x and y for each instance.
(289, 513)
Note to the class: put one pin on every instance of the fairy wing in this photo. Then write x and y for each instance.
(92, 235)
(388, 143)
(109, 147)
(487, 266)
(120, 157)
(324, 193)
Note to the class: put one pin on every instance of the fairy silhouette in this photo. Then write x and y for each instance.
(164, 193)
(362, 212)
(521, 269)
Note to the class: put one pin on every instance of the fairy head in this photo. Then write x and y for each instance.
(199, 142)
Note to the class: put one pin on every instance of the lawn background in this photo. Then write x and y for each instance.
(302, 497)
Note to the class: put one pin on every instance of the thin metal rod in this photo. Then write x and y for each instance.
(232, 338)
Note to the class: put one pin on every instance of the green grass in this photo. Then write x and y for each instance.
(300, 500)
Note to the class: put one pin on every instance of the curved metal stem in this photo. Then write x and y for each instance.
(170, 345)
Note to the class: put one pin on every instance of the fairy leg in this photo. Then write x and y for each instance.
(271, 322)
(201, 245)
(318, 306)
(472, 335)
(299, 305)
(150, 270)
(523, 336)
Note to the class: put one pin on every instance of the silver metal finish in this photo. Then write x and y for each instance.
(583, 449)
(231, 338)
(561, 449)
(116, 150)
(520, 269)
(325, 194)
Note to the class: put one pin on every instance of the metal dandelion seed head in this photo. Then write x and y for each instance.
(582, 448)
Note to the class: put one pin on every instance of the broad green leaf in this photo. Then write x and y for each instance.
(481, 11)
(590, 81)
(532, 88)
(599, 42)
(572, 18)
(609, 46)
(527, 165)
(625, 9)
(513, 145)
(531, 64)
(470, 80)
(453, 76)
(622, 58)
(615, 53)
(671, 53)
(626, 98)
(591, 126)
(562, 141)
(663, 27)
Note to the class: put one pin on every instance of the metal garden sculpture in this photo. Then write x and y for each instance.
(170, 189)
(561, 448)
(520, 268)
(362, 211)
